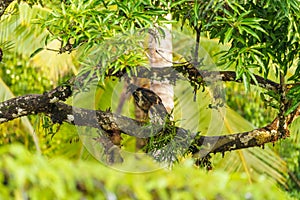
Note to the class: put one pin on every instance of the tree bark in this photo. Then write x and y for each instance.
(50, 103)
(109, 122)
(160, 56)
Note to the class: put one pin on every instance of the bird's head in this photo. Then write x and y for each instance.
(145, 98)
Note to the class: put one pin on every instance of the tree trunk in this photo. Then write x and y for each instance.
(160, 56)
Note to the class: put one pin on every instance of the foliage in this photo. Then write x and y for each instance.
(252, 32)
(21, 77)
(32, 176)
(289, 150)
(76, 22)
(252, 28)
(264, 39)
(255, 29)
(20, 36)
(249, 104)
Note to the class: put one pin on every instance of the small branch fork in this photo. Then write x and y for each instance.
(51, 104)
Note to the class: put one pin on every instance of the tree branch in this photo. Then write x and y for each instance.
(257, 137)
(110, 122)
(50, 104)
(199, 77)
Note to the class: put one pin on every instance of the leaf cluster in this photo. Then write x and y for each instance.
(196, 14)
(262, 34)
(122, 54)
(77, 22)
(293, 96)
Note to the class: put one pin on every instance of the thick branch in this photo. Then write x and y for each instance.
(263, 83)
(60, 112)
(196, 76)
(49, 103)
(257, 137)
(31, 104)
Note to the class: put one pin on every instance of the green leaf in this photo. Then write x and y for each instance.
(243, 50)
(36, 52)
(250, 31)
(228, 64)
(240, 71)
(233, 7)
(175, 3)
(249, 21)
(241, 16)
(253, 78)
(228, 35)
(260, 62)
(63, 9)
(293, 90)
(258, 27)
(292, 108)
(246, 81)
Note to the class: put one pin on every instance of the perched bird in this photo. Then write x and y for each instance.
(151, 104)
(160, 147)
